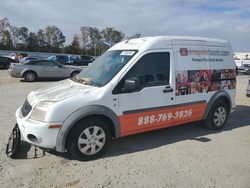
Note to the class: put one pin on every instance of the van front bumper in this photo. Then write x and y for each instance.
(37, 133)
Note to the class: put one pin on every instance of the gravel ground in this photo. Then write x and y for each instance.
(184, 156)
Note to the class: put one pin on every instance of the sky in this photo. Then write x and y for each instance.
(225, 19)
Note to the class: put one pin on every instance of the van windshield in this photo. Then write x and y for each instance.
(104, 68)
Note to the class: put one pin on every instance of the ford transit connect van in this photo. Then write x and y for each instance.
(136, 86)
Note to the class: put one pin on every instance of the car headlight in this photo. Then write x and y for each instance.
(39, 112)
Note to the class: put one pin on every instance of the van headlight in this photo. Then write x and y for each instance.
(39, 112)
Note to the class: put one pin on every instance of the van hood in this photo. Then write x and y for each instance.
(58, 91)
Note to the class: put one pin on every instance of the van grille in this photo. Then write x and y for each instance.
(26, 108)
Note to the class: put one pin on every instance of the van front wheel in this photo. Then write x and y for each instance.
(218, 115)
(89, 139)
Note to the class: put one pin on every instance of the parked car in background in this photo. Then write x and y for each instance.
(12, 56)
(63, 59)
(5, 62)
(18, 56)
(83, 60)
(23, 55)
(248, 89)
(27, 59)
(244, 69)
(33, 70)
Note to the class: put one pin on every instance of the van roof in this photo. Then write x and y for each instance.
(157, 42)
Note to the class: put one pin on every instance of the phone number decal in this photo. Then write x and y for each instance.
(163, 117)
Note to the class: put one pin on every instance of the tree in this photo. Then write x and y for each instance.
(111, 35)
(23, 34)
(54, 37)
(75, 44)
(6, 40)
(49, 35)
(67, 49)
(85, 35)
(41, 40)
(4, 26)
(51, 39)
(32, 42)
(94, 36)
(14, 32)
(136, 35)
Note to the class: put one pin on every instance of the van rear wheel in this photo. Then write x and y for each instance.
(89, 139)
(218, 115)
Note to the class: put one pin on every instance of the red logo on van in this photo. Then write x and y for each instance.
(184, 51)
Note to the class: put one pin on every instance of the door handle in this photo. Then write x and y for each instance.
(168, 90)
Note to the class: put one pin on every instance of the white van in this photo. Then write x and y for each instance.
(136, 86)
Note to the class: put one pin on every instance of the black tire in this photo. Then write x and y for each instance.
(30, 76)
(73, 74)
(213, 120)
(79, 132)
(7, 66)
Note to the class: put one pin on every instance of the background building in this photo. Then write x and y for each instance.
(241, 58)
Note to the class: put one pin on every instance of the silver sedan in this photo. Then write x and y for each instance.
(33, 70)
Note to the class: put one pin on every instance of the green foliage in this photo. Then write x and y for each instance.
(41, 40)
(5, 36)
(32, 42)
(4, 25)
(111, 35)
(75, 45)
(84, 35)
(91, 40)
(6, 40)
(137, 35)
(94, 36)
(23, 34)
(54, 38)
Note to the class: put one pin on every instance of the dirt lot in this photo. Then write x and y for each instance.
(184, 156)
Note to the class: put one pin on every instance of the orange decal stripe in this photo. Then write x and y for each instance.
(157, 119)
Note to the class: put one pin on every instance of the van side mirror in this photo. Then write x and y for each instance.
(131, 84)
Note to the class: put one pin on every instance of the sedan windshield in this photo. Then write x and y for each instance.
(104, 68)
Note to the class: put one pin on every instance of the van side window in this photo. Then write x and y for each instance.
(151, 70)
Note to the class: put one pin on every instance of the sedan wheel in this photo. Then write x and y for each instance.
(30, 76)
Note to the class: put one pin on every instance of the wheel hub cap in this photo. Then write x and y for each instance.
(91, 140)
(220, 116)
(30, 76)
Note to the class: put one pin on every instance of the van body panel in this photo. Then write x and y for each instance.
(177, 80)
(216, 96)
(203, 71)
(76, 116)
(146, 120)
